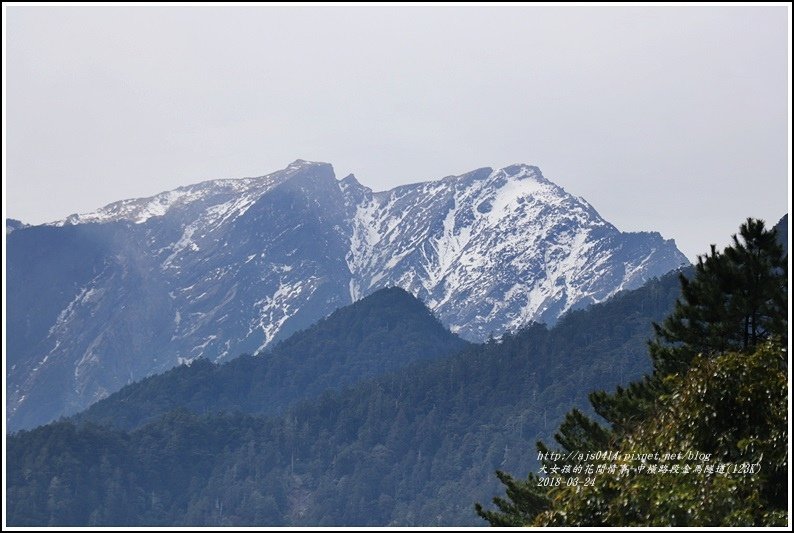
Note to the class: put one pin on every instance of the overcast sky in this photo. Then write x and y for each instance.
(673, 119)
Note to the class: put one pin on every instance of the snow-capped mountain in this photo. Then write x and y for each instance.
(493, 250)
(230, 266)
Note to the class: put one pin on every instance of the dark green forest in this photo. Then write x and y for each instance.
(414, 447)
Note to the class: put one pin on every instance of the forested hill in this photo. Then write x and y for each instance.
(416, 447)
(380, 333)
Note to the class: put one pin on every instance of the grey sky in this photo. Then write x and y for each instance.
(664, 118)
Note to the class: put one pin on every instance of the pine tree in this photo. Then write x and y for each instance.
(735, 300)
(524, 501)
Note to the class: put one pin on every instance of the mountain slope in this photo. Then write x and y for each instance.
(385, 331)
(416, 447)
(226, 267)
(782, 231)
(222, 274)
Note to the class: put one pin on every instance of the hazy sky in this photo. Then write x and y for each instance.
(672, 119)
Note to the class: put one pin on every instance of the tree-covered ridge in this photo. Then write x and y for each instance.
(410, 448)
(385, 331)
(718, 387)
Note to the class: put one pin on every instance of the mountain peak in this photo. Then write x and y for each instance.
(487, 176)
(394, 296)
(13, 224)
(303, 164)
(309, 170)
(350, 180)
(552, 250)
(524, 170)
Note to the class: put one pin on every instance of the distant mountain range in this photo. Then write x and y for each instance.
(231, 266)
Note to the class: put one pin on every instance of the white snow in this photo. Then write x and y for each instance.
(448, 248)
(186, 241)
(274, 310)
(504, 202)
(200, 347)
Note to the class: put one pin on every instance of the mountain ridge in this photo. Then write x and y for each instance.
(226, 267)
(386, 331)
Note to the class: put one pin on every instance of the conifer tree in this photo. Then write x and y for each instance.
(735, 300)
(524, 501)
